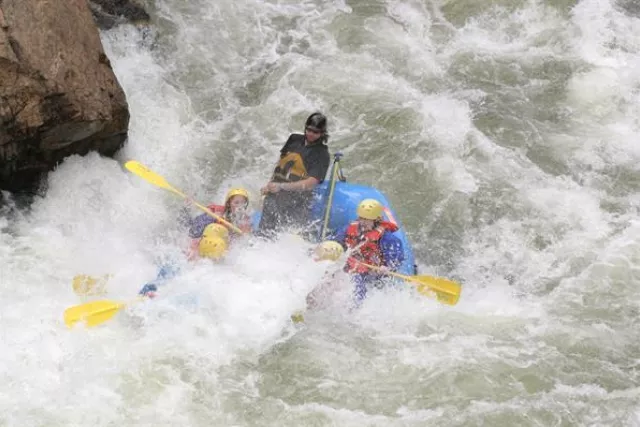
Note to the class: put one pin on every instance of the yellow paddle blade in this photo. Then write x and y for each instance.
(297, 317)
(446, 291)
(85, 285)
(93, 313)
(150, 176)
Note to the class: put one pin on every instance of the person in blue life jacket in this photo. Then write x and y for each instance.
(211, 247)
(368, 240)
(303, 164)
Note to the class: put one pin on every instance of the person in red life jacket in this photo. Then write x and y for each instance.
(303, 164)
(370, 240)
(234, 210)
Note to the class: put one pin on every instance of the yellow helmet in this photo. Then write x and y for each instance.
(370, 209)
(236, 192)
(212, 247)
(216, 230)
(329, 250)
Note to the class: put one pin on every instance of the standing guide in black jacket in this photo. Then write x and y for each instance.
(303, 164)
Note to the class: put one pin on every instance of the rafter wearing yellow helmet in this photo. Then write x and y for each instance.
(370, 209)
(237, 192)
(216, 230)
(234, 210)
(329, 250)
(213, 247)
(369, 240)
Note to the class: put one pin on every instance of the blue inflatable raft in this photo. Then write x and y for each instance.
(344, 202)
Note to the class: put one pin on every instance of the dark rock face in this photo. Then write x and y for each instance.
(58, 93)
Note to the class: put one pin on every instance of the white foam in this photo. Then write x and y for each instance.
(548, 267)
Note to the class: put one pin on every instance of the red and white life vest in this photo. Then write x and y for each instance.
(369, 250)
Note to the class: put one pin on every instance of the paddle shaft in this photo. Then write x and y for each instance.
(379, 268)
(332, 186)
(446, 291)
(157, 180)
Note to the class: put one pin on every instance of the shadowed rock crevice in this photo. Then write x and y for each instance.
(109, 13)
